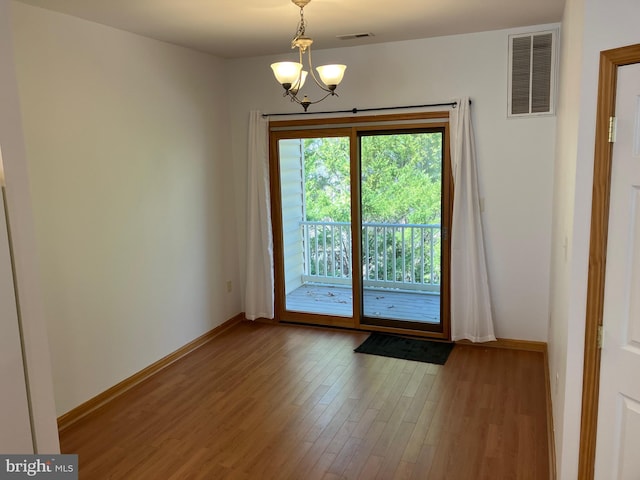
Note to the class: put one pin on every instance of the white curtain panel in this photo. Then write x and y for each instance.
(259, 274)
(471, 316)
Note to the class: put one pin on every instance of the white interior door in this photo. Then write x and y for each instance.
(618, 440)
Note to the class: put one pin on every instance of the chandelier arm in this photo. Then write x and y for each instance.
(301, 63)
(321, 99)
(313, 75)
(294, 98)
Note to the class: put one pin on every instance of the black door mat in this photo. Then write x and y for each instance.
(406, 348)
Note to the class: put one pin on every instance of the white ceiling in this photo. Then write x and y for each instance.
(235, 28)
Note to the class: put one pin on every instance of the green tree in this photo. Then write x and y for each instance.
(400, 184)
(401, 178)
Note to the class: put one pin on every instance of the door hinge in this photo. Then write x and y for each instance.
(600, 336)
(445, 233)
(613, 122)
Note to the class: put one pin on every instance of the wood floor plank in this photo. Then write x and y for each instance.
(419, 433)
(345, 455)
(288, 402)
(363, 452)
(394, 451)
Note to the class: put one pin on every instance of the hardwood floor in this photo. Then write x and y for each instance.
(287, 402)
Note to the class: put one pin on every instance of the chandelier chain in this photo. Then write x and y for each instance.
(301, 27)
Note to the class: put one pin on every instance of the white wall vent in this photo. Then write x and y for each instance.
(532, 77)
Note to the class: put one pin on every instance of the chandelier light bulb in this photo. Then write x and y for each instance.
(287, 73)
(331, 75)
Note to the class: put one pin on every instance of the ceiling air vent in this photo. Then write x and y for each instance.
(352, 36)
(532, 58)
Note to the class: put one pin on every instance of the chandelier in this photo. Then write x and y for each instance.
(291, 74)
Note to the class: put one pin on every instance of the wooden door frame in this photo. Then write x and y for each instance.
(610, 60)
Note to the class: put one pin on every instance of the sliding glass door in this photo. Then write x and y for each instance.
(401, 211)
(360, 216)
(315, 196)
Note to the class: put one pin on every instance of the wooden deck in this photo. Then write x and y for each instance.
(378, 303)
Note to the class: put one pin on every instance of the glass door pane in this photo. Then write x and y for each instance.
(316, 225)
(401, 209)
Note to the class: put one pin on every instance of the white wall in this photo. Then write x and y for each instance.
(564, 262)
(589, 26)
(127, 147)
(34, 348)
(15, 424)
(515, 155)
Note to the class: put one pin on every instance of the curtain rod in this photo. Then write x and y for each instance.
(357, 110)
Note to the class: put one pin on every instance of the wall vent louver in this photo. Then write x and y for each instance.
(532, 59)
(353, 36)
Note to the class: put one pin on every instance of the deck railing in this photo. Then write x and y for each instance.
(395, 255)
